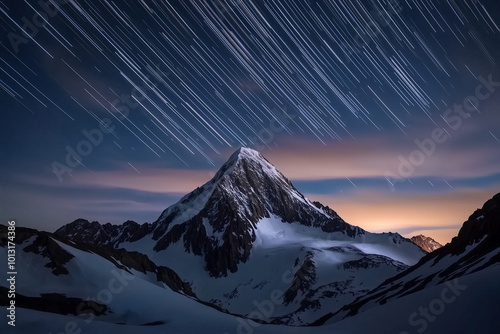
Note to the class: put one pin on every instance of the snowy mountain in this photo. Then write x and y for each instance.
(426, 243)
(59, 282)
(476, 249)
(289, 262)
(248, 234)
(218, 220)
(47, 257)
(62, 284)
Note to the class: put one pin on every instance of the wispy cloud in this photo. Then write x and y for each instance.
(372, 158)
(140, 177)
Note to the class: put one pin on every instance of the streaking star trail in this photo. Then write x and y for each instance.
(379, 108)
(210, 74)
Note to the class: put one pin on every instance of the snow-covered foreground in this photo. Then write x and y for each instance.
(466, 305)
(139, 304)
(256, 290)
(469, 305)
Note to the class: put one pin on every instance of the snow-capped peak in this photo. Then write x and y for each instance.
(247, 153)
(221, 217)
(250, 155)
(239, 164)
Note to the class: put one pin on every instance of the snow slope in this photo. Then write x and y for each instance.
(343, 269)
(474, 310)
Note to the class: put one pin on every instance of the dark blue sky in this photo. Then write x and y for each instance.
(363, 104)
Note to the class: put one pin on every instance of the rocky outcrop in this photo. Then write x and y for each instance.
(55, 303)
(128, 260)
(303, 279)
(426, 243)
(83, 231)
(43, 245)
(373, 261)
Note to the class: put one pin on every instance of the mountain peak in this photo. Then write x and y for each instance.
(247, 163)
(426, 243)
(246, 154)
(219, 219)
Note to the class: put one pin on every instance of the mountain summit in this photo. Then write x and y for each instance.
(219, 219)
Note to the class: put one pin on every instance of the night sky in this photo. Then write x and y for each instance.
(385, 110)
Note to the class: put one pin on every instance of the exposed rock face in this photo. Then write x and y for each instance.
(44, 244)
(482, 227)
(142, 263)
(373, 261)
(173, 281)
(41, 244)
(426, 243)
(303, 279)
(55, 303)
(83, 231)
(127, 260)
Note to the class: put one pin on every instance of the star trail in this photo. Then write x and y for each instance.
(183, 83)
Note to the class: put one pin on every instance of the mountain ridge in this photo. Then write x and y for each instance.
(475, 248)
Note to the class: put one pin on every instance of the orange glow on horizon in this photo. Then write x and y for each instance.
(438, 216)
